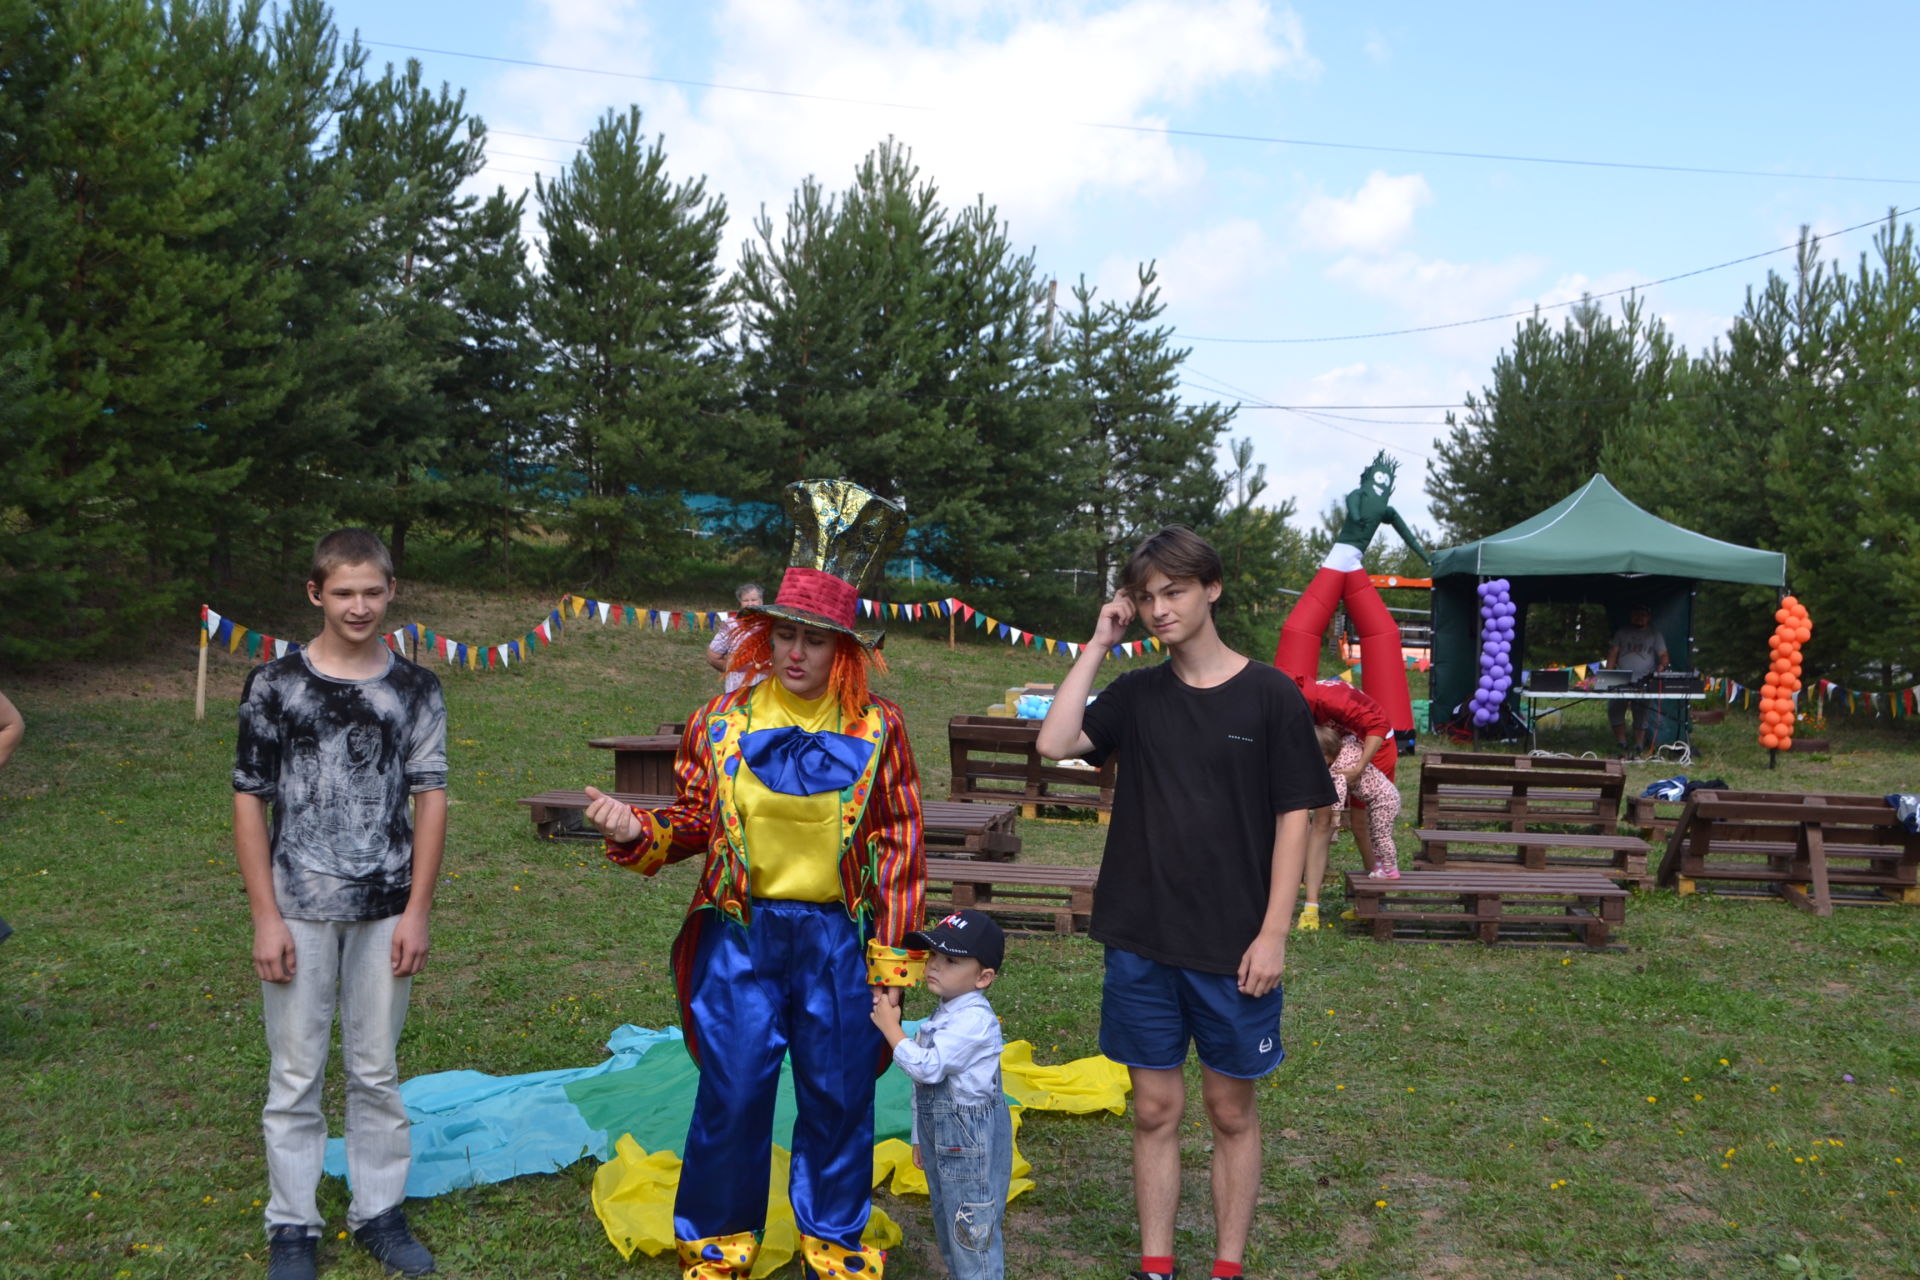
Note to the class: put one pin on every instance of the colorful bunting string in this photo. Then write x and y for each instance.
(415, 640)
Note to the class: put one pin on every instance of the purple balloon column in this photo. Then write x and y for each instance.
(1497, 611)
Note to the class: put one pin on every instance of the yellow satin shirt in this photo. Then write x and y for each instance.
(793, 842)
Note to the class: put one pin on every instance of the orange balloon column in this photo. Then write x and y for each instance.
(1794, 629)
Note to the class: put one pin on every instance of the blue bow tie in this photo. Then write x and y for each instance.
(794, 762)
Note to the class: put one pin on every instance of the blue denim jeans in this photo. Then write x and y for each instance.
(968, 1153)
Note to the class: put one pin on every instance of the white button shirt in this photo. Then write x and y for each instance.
(960, 1043)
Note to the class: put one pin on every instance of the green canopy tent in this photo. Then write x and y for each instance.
(1591, 547)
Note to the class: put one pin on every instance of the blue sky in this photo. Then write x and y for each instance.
(1260, 239)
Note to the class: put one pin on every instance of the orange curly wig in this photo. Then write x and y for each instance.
(753, 653)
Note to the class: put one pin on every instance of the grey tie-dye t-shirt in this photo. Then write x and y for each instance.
(337, 760)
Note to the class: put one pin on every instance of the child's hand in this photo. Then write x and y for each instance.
(886, 1014)
(919, 1161)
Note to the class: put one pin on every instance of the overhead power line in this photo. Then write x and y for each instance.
(1160, 130)
(1549, 306)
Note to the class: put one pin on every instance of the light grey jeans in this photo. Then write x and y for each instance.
(348, 963)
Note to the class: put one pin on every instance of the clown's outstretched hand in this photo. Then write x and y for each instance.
(614, 819)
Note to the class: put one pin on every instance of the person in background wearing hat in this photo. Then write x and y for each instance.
(1218, 774)
(801, 793)
(959, 1109)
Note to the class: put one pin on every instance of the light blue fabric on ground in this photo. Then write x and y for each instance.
(470, 1128)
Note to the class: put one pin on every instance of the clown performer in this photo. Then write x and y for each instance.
(1342, 577)
(801, 793)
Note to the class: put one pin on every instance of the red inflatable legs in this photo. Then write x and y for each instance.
(1298, 653)
(1383, 672)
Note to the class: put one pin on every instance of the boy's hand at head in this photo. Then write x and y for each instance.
(1115, 616)
(614, 819)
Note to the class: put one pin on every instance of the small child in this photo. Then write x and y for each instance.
(1382, 798)
(958, 1106)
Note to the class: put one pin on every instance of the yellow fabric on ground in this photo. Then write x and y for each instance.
(633, 1192)
(633, 1196)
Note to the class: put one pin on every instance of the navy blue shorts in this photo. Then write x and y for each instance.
(1149, 1012)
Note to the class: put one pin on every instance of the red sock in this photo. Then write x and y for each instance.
(1230, 1270)
(1157, 1266)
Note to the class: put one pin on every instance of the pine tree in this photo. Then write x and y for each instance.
(144, 329)
(1141, 458)
(498, 449)
(409, 149)
(632, 307)
(842, 330)
(1538, 432)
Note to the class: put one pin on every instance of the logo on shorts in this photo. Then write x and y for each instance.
(1266, 1045)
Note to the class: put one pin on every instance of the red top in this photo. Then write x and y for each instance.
(1338, 703)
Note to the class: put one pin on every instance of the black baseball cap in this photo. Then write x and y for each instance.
(969, 934)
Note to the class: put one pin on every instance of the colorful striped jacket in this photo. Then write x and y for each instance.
(882, 863)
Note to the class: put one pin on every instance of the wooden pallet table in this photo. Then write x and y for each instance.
(642, 762)
(996, 760)
(1520, 797)
(1580, 906)
(1796, 846)
(1618, 857)
(1023, 897)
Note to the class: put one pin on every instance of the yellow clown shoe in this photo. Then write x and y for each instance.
(836, 1262)
(718, 1257)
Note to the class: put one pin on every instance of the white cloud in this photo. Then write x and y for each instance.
(988, 95)
(1212, 270)
(1371, 220)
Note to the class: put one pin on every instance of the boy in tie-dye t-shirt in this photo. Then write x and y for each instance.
(345, 741)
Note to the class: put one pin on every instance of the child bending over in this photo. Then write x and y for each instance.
(1342, 751)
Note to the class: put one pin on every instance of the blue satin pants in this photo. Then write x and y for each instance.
(794, 982)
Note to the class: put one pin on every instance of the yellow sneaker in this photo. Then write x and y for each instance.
(1309, 918)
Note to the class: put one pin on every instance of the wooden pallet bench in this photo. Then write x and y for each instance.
(1556, 906)
(1655, 818)
(1508, 760)
(1799, 847)
(971, 831)
(1022, 897)
(1618, 857)
(995, 760)
(1520, 797)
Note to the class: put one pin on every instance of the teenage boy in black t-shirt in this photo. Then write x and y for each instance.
(1219, 771)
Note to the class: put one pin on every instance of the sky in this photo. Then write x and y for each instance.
(1307, 173)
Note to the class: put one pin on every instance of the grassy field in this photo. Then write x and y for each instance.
(1676, 1108)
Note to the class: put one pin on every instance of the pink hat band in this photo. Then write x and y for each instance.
(819, 592)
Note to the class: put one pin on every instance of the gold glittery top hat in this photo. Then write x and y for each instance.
(842, 535)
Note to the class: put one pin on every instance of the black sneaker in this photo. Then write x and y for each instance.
(1156, 1275)
(290, 1254)
(392, 1245)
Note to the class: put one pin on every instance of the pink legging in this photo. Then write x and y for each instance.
(1381, 796)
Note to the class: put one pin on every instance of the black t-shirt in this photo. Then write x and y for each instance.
(1202, 775)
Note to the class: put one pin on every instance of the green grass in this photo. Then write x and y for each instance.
(1520, 1112)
